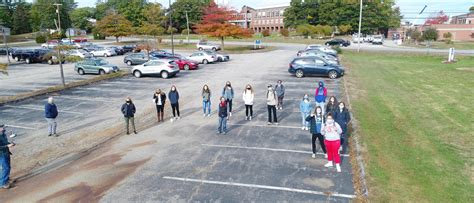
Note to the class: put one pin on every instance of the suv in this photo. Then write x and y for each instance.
(95, 66)
(377, 39)
(303, 66)
(163, 67)
(136, 58)
(203, 57)
(207, 46)
(131, 48)
(29, 55)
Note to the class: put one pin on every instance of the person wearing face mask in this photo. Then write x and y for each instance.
(222, 111)
(305, 108)
(320, 96)
(173, 95)
(332, 135)
(5, 166)
(342, 117)
(332, 105)
(271, 105)
(159, 98)
(206, 100)
(248, 97)
(280, 91)
(228, 94)
(316, 121)
(128, 110)
(51, 113)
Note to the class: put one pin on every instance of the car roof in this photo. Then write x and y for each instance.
(310, 57)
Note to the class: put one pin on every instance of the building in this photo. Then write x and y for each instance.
(463, 19)
(259, 19)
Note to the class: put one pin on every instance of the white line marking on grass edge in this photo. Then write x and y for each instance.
(261, 187)
(40, 109)
(266, 149)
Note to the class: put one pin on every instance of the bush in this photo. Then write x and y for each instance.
(266, 33)
(337, 49)
(305, 30)
(284, 32)
(97, 35)
(344, 29)
(430, 34)
(185, 32)
(171, 29)
(40, 39)
(447, 35)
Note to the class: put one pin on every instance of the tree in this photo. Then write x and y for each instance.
(43, 14)
(215, 24)
(416, 36)
(154, 18)
(430, 34)
(301, 12)
(438, 18)
(80, 18)
(471, 9)
(344, 29)
(194, 8)
(131, 9)
(284, 32)
(6, 13)
(114, 25)
(305, 30)
(20, 16)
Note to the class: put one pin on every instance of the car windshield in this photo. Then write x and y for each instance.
(101, 62)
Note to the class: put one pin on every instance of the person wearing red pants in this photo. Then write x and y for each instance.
(332, 136)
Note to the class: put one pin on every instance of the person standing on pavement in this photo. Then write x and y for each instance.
(51, 113)
(332, 105)
(305, 108)
(332, 135)
(248, 97)
(206, 100)
(160, 99)
(280, 91)
(128, 111)
(173, 95)
(222, 112)
(228, 94)
(316, 122)
(342, 117)
(5, 166)
(320, 96)
(271, 105)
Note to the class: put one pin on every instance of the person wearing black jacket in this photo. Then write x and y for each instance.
(342, 117)
(316, 123)
(332, 105)
(223, 113)
(159, 98)
(128, 111)
(173, 96)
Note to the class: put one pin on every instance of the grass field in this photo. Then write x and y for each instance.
(443, 45)
(416, 120)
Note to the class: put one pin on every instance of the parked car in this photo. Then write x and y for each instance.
(118, 50)
(103, 52)
(3, 51)
(81, 45)
(203, 57)
(164, 68)
(29, 55)
(163, 54)
(95, 66)
(338, 42)
(202, 45)
(79, 52)
(80, 40)
(91, 47)
(49, 45)
(131, 48)
(314, 66)
(221, 57)
(136, 58)
(378, 39)
(331, 59)
(185, 64)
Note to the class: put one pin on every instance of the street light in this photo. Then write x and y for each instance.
(171, 28)
(360, 23)
(59, 45)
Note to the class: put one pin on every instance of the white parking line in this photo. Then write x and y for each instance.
(22, 127)
(271, 126)
(313, 192)
(41, 109)
(85, 99)
(266, 149)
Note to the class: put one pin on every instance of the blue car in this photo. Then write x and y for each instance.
(314, 66)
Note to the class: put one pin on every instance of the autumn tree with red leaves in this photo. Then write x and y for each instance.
(215, 23)
(438, 18)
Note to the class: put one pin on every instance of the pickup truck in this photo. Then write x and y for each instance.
(35, 56)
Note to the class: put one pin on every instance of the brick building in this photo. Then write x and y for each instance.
(259, 19)
(463, 19)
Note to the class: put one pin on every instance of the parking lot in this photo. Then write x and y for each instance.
(184, 160)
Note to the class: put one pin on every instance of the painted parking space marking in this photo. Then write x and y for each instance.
(270, 126)
(85, 99)
(41, 109)
(265, 149)
(267, 187)
(21, 127)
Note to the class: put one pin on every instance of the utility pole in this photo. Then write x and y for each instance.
(171, 28)
(187, 25)
(58, 48)
(360, 23)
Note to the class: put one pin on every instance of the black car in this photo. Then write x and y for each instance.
(35, 56)
(163, 54)
(131, 48)
(314, 66)
(91, 47)
(338, 42)
(118, 50)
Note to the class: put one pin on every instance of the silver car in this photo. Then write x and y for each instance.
(207, 46)
(330, 58)
(221, 57)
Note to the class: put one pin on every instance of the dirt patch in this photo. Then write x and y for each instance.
(82, 190)
(471, 69)
(324, 183)
(143, 144)
(104, 160)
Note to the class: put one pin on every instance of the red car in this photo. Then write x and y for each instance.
(186, 64)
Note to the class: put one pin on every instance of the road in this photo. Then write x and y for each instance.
(183, 160)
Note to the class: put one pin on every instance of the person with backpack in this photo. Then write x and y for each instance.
(173, 96)
(271, 105)
(228, 94)
(51, 113)
(5, 153)
(305, 108)
(248, 97)
(128, 111)
(280, 91)
(342, 117)
(320, 96)
(316, 122)
(332, 105)
(332, 135)
(159, 98)
(222, 112)
(206, 100)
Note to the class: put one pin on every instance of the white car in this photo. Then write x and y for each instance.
(221, 57)
(314, 46)
(103, 52)
(79, 52)
(49, 45)
(207, 46)
(203, 57)
(330, 58)
(164, 68)
(322, 48)
(378, 39)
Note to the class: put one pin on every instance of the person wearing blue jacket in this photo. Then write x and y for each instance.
(316, 122)
(173, 96)
(320, 96)
(51, 113)
(342, 117)
(5, 166)
(128, 110)
(228, 94)
(305, 108)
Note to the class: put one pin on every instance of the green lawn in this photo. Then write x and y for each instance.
(416, 118)
(443, 45)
